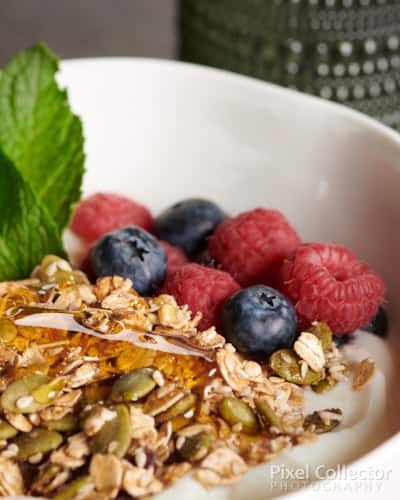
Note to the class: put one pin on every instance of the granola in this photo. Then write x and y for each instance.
(154, 428)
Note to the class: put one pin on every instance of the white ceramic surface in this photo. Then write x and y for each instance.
(162, 131)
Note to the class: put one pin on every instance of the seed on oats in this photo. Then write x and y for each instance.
(8, 331)
(363, 373)
(37, 441)
(286, 364)
(323, 332)
(23, 388)
(185, 404)
(195, 447)
(7, 431)
(134, 385)
(115, 435)
(68, 423)
(323, 421)
(76, 489)
(268, 415)
(235, 411)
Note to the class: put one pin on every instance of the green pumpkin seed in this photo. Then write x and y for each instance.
(185, 404)
(37, 441)
(195, 447)
(323, 332)
(323, 386)
(268, 414)
(76, 488)
(115, 435)
(45, 394)
(285, 363)
(7, 431)
(68, 423)
(235, 411)
(8, 331)
(133, 386)
(17, 398)
(315, 423)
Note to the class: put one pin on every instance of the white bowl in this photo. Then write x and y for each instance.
(162, 131)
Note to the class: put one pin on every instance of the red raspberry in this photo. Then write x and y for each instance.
(202, 289)
(327, 283)
(101, 213)
(252, 246)
(175, 257)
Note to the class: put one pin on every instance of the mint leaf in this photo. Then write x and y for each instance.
(27, 232)
(39, 133)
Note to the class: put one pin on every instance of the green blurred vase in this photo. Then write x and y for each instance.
(344, 50)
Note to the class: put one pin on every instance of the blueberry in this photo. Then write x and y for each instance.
(188, 224)
(259, 320)
(379, 324)
(131, 253)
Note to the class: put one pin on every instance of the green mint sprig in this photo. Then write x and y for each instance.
(41, 161)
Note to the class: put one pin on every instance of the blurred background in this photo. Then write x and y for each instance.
(85, 28)
(343, 50)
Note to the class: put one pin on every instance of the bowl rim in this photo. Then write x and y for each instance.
(392, 443)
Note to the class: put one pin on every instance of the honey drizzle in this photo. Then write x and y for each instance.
(117, 353)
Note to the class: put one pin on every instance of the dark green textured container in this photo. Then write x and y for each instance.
(344, 50)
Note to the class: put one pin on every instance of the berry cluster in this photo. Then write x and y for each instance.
(263, 285)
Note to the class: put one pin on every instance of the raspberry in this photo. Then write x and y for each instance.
(202, 289)
(175, 257)
(251, 247)
(327, 283)
(101, 213)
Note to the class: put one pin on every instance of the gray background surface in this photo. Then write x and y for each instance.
(82, 28)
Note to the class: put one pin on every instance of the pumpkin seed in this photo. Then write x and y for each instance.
(185, 404)
(235, 411)
(68, 423)
(76, 488)
(323, 421)
(323, 386)
(17, 398)
(45, 394)
(37, 441)
(115, 435)
(134, 385)
(195, 447)
(7, 431)
(268, 414)
(286, 364)
(323, 332)
(8, 331)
